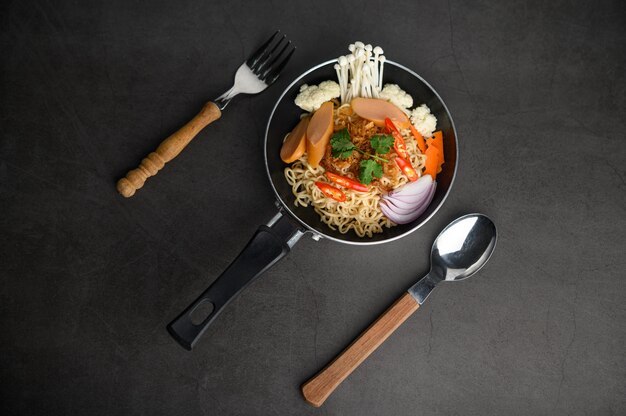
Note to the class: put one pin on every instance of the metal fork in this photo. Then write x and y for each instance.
(258, 72)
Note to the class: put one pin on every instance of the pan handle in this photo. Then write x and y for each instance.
(269, 244)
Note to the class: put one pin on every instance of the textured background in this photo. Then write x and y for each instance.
(89, 279)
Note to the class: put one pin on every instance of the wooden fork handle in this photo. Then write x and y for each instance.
(167, 150)
(317, 389)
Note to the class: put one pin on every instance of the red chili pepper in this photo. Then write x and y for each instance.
(407, 169)
(398, 142)
(331, 192)
(347, 182)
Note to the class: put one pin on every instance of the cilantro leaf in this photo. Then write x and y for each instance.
(369, 168)
(382, 143)
(341, 144)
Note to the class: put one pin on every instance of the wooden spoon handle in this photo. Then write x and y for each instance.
(317, 389)
(167, 150)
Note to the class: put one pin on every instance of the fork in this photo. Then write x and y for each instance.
(257, 73)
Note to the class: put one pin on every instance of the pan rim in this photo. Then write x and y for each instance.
(284, 206)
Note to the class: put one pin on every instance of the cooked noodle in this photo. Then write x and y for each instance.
(360, 211)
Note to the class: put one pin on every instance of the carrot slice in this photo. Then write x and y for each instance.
(421, 144)
(432, 165)
(437, 141)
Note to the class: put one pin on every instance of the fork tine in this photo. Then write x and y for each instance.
(272, 73)
(276, 46)
(254, 58)
(262, 62)
(266, 66)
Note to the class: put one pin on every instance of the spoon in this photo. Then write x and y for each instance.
(460, 250)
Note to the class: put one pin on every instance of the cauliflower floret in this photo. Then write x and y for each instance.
(397, 96)
(423, 121)
(311, 97)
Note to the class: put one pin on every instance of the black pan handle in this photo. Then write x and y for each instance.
(269, 244)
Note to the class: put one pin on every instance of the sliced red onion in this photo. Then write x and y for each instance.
(395, 209)
(397, 218)
(408, 204)
(414, 188)
(409, 199)
(423, 199)
(403, 216)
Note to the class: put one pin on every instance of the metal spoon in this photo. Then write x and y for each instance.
(460, 250)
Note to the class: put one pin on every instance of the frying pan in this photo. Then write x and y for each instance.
(272, 241)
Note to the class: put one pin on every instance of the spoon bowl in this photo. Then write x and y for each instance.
(463, 247)
(459, 251)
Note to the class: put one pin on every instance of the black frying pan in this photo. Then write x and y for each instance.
(273, 241)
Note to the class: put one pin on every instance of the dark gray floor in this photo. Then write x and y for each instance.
(89, 279)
